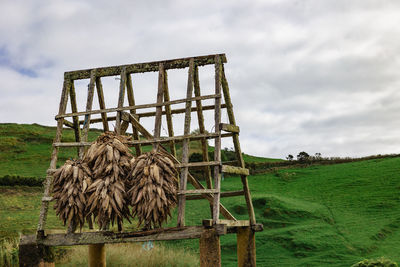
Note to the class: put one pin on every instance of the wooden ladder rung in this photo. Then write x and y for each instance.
(235, 170)
(198, 164)
(223, 194)
(47, 199)
(229, 128)
(198, 191)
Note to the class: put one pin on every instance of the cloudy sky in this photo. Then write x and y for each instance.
(318, 76)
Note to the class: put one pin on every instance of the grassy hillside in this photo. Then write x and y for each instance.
(25, 149)
(331, 215)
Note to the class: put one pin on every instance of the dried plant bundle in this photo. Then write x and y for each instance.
(110, 159)
(70, 184)
(152, 188)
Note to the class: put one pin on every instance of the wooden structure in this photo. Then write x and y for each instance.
(211, 229)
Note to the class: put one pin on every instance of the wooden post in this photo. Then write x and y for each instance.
(210, 249)
(102, 105)
(168, 114)
(131, 101)
(185, 148)
(121, 96)
(97, 255)
(246, 247)
(33, 255)
(217, 144)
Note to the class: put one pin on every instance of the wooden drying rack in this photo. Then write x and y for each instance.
(211, 230)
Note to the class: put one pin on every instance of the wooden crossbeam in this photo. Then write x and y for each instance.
(173, 102)
(107, 237)
(146, 114)
(235, 170)
(222, 194)
(229, 128)
(198, 164)
(144, 67)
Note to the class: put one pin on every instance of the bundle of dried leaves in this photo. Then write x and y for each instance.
(153, 188)
(110, 160)
(70, 184)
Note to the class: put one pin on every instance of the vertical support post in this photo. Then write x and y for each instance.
(210, 249)
(160, 92)
(217, 146)
(89, 103)
(200, 118)
(185, 147)
(102, 104)
(168, 114)
(75, 119)
(53, 161)
(97, 255)
(238, 150)
(120, 100)
(246, 247)
(131, 101)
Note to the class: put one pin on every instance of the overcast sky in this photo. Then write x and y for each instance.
(318, 76)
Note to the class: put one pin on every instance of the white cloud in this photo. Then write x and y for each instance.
(319, 76)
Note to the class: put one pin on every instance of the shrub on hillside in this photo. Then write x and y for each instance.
(13, 180)
(381, 262)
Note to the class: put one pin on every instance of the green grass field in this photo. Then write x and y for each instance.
(331, 215)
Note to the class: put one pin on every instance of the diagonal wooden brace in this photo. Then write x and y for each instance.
(135, 123)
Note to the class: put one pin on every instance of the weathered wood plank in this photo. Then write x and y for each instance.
(197, 191)
(102, 104)
(246, 247)
(235, 170)
(172, 102)
(148, 114)
(222, 194)
(53, 162)
(229, 128)
(106, 237)
(236, 143)
(202, 129)
(121, 98)
(229, 223)
(198, 164)
(217, 146)
(131, 102)
(160, 95)
(168, 114)
(185, 147)
(210, 249)
(178, 138)
(143, 67)
(75, 119)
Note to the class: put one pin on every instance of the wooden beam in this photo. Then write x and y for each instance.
(131, 102)
(230, 223)
(238, 150)
(168, 115)
(160, 95)
(210, 249)
(198, 164)
(229, 128)
(107, 237)
(185, 147)
(121, 98)
(246, 247)
(204, 144)
(143, 67)
(151, 113)
(235, 170)
(217, 141)
(97, 255)
(197, 191)
(53, 162)
(173, 102)
(102, 104)
(223, 194)
(75, 119)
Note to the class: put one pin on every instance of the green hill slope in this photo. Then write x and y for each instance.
(331, 215)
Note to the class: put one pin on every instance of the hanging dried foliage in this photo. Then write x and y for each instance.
(70, 184)
(153, 188)
(110, 160)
